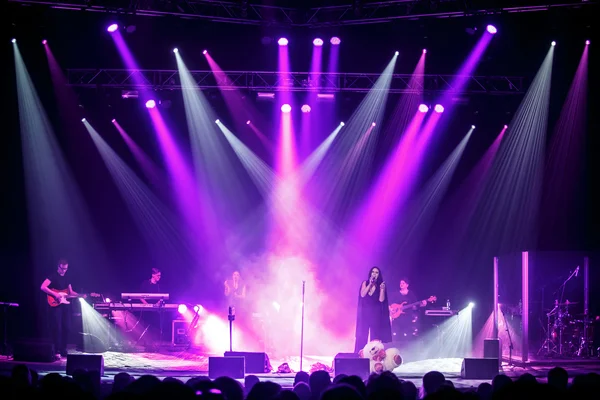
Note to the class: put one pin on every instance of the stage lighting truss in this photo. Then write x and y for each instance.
(295, 81)
(371, 12)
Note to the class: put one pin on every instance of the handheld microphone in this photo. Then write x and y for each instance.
(577, 271)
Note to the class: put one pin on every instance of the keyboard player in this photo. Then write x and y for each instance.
(151, 285)
(152, 321)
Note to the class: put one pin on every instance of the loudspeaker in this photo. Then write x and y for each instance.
(351, 366)
(34, 351)
(492, 349)
(85, 362)
(255, 363)
(179, 336)
(232, 367)
(479, 368)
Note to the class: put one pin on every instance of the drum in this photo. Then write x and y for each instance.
(568, 332)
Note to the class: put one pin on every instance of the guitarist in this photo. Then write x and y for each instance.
(58, 286)
(405, 327)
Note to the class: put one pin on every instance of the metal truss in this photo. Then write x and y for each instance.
(353, 12)
(259, 81)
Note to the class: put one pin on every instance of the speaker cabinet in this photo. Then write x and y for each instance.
(255, 363)
(492, 349)
(85, 362)
(179, 333)
(360, 367)
(33, 351)
(232, 367)
(479, 368)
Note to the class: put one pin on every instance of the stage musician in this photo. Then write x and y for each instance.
(58, 287)
(235, 290)
(405, 326)
(372, 320)
(151, 320)
(151, 285)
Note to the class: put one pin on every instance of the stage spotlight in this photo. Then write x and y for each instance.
(396, 53)
(423, 108)
(505, 126)
(471, 305)
(424, 51)
(318, 42)
(198, 309)
(14, 40)
(175, 50)
(587, 42)
(44, 41)
(492, 29)
(107, 300)
(305, 108)
(205, 52)
(342, 123)
(282, 42)
(112, 28)
(373, 124)
(438, 108)
(472, 126)
(182, 308)
(83, 119)
(286, 108)
(150, 104)
(553, 43)
(335, 41)
(248, 122)
(113, 120)
(217, 121)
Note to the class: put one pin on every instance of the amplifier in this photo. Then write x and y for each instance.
(440, 313)
(179, 334)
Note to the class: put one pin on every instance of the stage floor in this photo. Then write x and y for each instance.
(186, 364)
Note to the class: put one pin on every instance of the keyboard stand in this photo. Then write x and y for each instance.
(141, 336)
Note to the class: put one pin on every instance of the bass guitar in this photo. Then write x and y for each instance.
(63, 298)
(397, 310)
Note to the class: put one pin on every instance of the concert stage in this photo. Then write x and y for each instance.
(186, 364)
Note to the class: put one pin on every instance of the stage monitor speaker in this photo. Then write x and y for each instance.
(360, 367)
(232, 367)
(479, 368)
(179, 335)
(255, 363)
(492, 349)
(85, 362)
(34, 351)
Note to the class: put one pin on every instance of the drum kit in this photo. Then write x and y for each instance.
(567, 335)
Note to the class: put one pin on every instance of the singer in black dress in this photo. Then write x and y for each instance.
(373, 318)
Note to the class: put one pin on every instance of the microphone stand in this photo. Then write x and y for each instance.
(559, 313)
(302, 327)
(510, 341)
(564, 284)
(231, 318)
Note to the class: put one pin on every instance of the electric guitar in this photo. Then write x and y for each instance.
(63, 299)
(397, 310)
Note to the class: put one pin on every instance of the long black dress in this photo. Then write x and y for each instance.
(372, 316)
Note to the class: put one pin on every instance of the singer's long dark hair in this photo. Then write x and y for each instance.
(379, 278)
